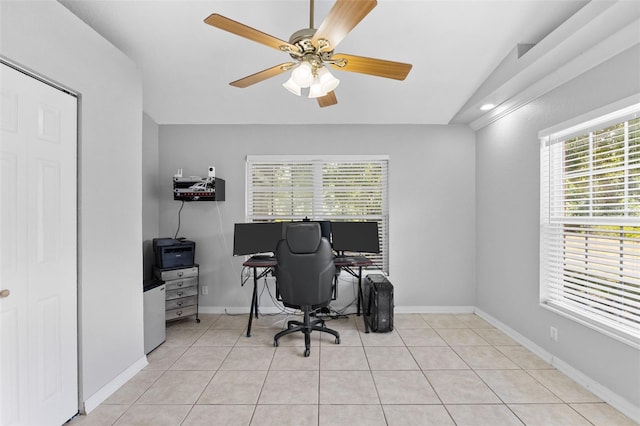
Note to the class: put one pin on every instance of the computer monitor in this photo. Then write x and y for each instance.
(257, 237)
(355, 236)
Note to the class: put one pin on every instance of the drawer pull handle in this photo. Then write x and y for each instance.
(180, 293)
(180, 303)
(180, 273)
(180, 283)
(179, 313)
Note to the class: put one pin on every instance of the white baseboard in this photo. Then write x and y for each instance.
(433, 309)
(244, 310)
(607, 395)
(107, 390)
(234, 310)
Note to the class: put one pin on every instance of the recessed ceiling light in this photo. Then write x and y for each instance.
(487, 107)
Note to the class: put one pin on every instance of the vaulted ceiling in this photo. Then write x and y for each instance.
(456, 48)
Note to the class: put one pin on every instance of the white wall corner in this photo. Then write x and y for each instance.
(107, 390)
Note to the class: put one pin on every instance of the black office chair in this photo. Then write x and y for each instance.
(304, 277)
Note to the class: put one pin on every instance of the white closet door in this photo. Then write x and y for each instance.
(38, 307)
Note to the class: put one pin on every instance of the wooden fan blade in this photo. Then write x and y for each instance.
(262, 75)
(342, 18)
(327, 100)
(371, 66)
(245, 31)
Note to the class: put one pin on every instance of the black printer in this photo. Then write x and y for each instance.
(172, 253)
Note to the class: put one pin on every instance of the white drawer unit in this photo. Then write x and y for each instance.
(181, 291)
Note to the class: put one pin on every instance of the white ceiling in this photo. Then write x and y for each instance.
(186, 65)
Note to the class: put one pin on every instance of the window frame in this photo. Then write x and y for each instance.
(381, 261)
(554, 224)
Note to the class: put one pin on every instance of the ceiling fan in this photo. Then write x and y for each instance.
(312, 51)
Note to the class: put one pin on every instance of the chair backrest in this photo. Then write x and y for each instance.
(305, 265)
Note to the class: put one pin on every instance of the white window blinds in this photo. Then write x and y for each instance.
(339, 188)
(590, 223)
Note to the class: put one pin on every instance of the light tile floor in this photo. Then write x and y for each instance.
(433, 369)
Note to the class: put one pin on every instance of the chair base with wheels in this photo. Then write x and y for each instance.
(306, 327)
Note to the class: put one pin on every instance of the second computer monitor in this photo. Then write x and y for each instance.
(355, 237)
(256, 237)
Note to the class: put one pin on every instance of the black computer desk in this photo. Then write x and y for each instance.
(351, 264)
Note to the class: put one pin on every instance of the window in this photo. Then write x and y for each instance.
(340, 188)
(590, 222)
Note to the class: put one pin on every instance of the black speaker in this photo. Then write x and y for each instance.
(378, 299)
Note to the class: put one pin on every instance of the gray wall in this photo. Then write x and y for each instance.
(46, 38)
(507, 192)
(150, 192)
(431, 198)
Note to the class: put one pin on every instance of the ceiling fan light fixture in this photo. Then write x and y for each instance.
(327, 80)
(311, 50)
(292, 86)
(302, 75)
(315, 90)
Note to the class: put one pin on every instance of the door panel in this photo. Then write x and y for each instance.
(48, 211)
(38, 333)
(9, 171)
(10, 356)
(50, 342)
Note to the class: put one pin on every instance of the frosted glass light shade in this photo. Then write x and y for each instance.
(315, 91)
(291, 86)
(327, 80)
(303, 74)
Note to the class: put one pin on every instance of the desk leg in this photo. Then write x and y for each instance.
(360, 296)
(253, 310)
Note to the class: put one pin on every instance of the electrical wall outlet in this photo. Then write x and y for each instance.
(205, 290)
(553, 333)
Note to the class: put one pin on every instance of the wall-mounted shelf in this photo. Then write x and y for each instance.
(196, 188)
